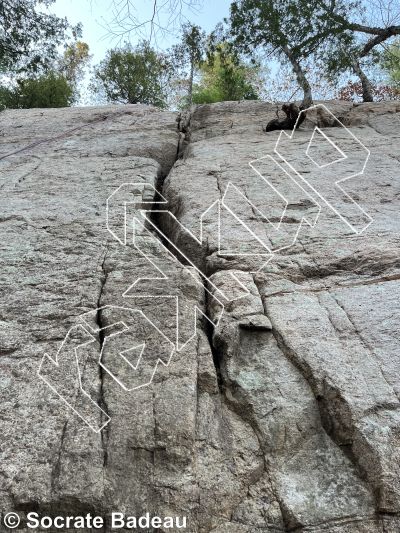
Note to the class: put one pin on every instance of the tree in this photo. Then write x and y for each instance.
(29, 38)
(293, 31)
(371, 22)
(190, 52)
(48, 90)
(72, 63)
(390, 63)
(133, 75)
(226, 77)
(282, 86)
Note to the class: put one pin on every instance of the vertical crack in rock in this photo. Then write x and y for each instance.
(218, 175)
(323, 410)
(184, 124)
(209, 330)
(57, 467)
(154, 431)
(102, 402)
(185, 121)
(236, 401)
(223, 387)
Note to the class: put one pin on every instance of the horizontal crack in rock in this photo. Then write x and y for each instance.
(371, 282)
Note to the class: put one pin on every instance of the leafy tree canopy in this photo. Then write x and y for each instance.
(390, 63)
(290, 30)
(29, 38)
(300, 25)
(132, 75)
(189, 53)
(72, 63)
(372, 23)
(192, 46)
(48, 90)
(224, 77)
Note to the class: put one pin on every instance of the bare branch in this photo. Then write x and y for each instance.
(164, 19)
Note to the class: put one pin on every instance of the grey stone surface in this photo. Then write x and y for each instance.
(285, 414)
(331, 297)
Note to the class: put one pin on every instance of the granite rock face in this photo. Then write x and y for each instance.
(222, 339)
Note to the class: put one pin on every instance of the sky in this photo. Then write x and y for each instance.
(94, 13)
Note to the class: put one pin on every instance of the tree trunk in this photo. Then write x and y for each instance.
(301, 79)
(189, 100)
(366, 85)
(291, 120)
(186, 121)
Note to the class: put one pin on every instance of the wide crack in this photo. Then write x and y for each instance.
(222, 386)
(240, 404)
(209, 331)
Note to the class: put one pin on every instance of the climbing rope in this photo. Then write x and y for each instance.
(112, 115)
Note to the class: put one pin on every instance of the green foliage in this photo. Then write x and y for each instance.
(73, 62)
(275, 24)
(192, 46)
(365, 25)
(225, 77)
(189, 53)
(48, 90)
(296, 29)
(390, 62)
(132, 75)
(29, 38)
